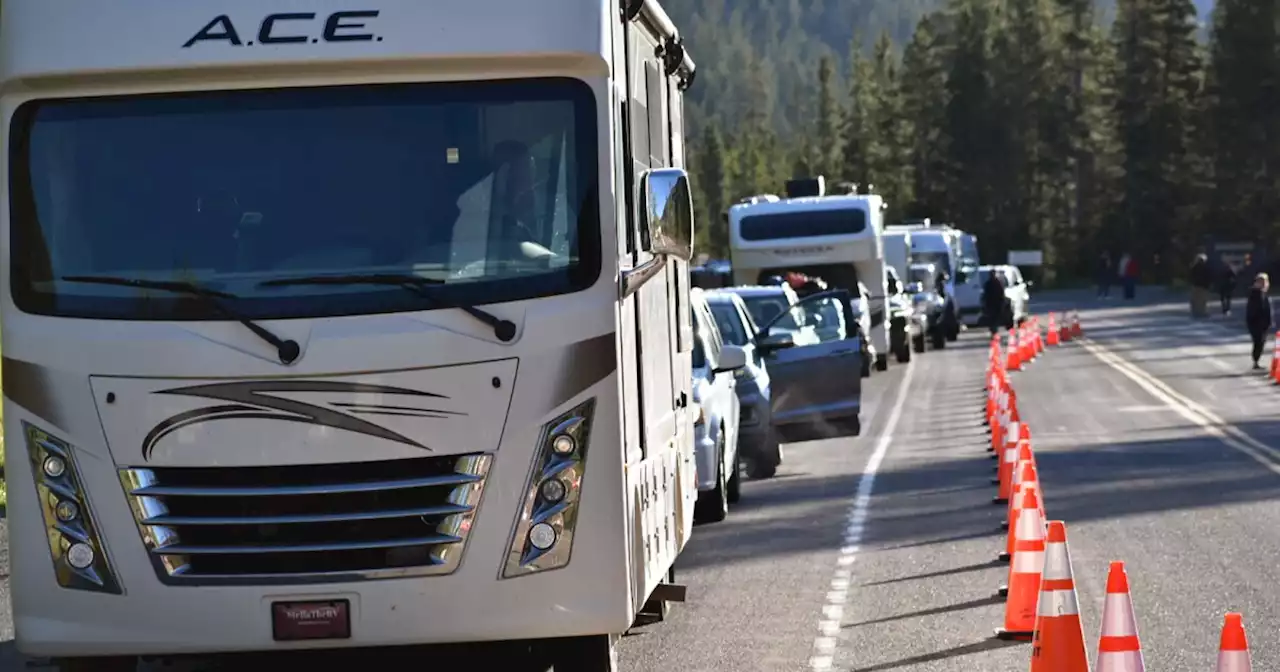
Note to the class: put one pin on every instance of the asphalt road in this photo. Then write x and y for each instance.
(1170, 467)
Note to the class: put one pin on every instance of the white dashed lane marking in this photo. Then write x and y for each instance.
(824, 646)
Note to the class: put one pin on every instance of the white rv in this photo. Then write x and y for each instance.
(955, 253)
(836, 238)
(331, 327)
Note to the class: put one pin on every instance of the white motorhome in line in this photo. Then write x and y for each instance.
(836, 238)
(954, 252)
(897, 250)
(252, 397)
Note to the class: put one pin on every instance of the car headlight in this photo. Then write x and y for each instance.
(79, 558)
(543, 535)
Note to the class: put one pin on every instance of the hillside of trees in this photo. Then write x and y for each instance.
(1061, 125)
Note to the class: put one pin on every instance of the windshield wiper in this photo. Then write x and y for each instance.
(288, 350)
(504, 330)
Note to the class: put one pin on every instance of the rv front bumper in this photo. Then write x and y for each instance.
(145, 609)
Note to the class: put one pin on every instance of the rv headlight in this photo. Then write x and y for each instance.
(543, 534)
(79, 560)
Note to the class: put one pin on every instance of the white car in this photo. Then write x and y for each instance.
(715, 399)
(1016, 289)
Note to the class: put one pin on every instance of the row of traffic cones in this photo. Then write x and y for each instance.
(1041, 605)
(1028, 340)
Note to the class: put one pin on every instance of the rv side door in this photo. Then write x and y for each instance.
(819, 384)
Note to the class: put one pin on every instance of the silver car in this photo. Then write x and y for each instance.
(815, 385)
(757, 441)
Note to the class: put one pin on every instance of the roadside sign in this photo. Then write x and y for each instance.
(1026, 258)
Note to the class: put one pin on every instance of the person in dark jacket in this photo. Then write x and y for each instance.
(993, 300)
(1104, 274)
(1201, 280)
(1226, 285)
(1257, 315)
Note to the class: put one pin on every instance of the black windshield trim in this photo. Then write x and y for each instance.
(580, 277)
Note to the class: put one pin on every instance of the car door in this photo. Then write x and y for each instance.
(821, 382)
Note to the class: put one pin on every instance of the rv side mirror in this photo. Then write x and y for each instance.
(669, 213)
(732, 358)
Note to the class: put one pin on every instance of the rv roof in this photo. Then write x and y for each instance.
(866, 203)
(40, 38)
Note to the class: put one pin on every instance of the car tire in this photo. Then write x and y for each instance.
(918, 343)
(866, 365)
(733, 487)
(882, 362)
(904, 353)
(713, 506)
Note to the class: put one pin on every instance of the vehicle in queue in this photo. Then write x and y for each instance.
(292, 290)
(1017, 290)
(944, 247)
(922, 287)
(810, 393)
(758, 442)
(833, 237)
(907, 328)
(716, 366)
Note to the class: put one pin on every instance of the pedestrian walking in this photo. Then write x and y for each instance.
(1226, 285)
(1200, 281)
(993, 301)
(1127, 269)
(1257, 315)
(1103, 275)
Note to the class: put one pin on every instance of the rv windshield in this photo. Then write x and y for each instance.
(940, 260)
(484, 189)
(969, 250)
(803, 224)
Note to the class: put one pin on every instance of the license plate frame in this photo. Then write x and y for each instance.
(307, 620)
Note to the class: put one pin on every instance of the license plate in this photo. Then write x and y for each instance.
(327, 619)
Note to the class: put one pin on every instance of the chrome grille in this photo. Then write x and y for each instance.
(310, 523)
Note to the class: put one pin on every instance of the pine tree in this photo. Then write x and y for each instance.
(825, 147)
(921, 84)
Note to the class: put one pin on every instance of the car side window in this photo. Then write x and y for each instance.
(712, 334)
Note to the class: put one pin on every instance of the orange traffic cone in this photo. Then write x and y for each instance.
(1019, 458)
(1014, 358)
(1275, 359)
(1023, 500)
(1009, 460)
(1039, 335)
(1058, 645)
(1054, 336)
(1024, 573)
(1021, 476)
(1118, 648)
(1076, 330)
(1233, 648)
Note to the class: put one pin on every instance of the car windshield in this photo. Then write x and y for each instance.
(764, 308)
(730, 325)
(486, 188)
